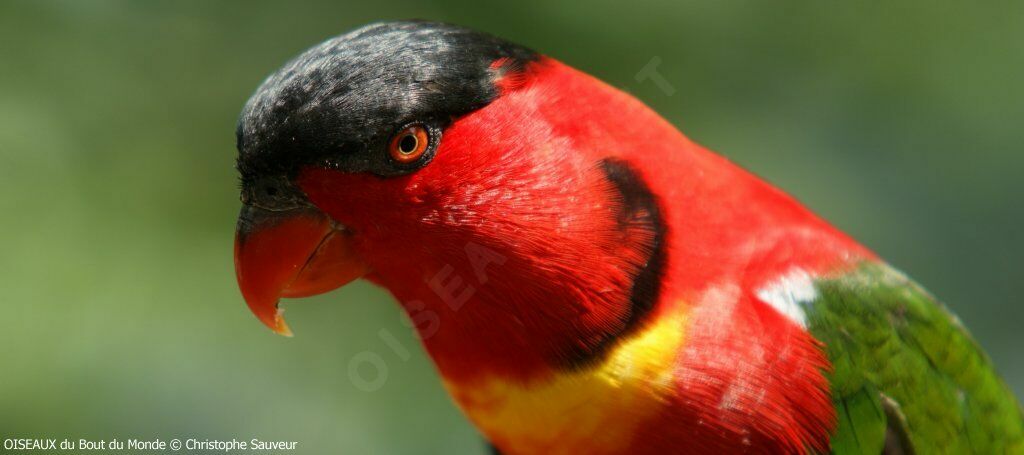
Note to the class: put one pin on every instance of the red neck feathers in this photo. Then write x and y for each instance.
(511, 253)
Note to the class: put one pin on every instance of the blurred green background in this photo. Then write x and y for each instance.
(899, 121)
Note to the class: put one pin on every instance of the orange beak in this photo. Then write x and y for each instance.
(293, 253)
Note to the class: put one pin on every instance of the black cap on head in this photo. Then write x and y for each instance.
(339, 103)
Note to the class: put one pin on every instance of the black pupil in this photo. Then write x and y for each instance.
(271, 191)
(407, 144)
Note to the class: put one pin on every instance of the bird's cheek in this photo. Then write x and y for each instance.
(350, 199)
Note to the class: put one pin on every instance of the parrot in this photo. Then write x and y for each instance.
(584, 277)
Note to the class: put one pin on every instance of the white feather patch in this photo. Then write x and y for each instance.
(789, 294)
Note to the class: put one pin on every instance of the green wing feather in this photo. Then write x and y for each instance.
(906, 373)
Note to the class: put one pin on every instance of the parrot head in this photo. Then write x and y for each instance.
(429, 159)
(581, 273)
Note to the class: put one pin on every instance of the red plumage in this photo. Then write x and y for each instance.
(518, 177)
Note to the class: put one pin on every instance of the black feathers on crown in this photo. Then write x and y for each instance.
(338, 103)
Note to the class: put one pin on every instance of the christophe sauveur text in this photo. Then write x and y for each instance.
(190, 444)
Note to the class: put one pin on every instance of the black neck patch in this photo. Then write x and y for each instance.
(640, 210)
(338, 103)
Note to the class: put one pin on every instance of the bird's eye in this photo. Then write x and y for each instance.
(409, 144)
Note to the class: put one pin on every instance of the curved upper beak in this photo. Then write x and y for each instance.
(293, 253)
